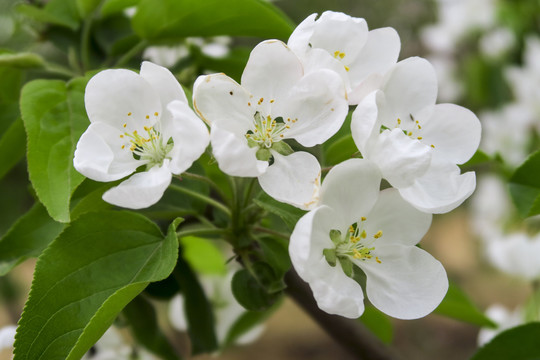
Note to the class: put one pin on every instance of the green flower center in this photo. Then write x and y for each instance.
(268, 133)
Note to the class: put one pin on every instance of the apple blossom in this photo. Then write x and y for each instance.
(358, 230)
(504, 318)
(275, 101)
(415, 143)
(343, 43)
(7, 338)
(138, 120)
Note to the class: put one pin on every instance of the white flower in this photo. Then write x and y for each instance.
(343, 43)
(416, 143)
(504, 319)
(376, 232)
(490, 207)
(497, 42)
(515, 254)
(275, 102)
(138, 120)
(226, 309)
(7, 338)
(112, 346)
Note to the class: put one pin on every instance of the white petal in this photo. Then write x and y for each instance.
(408, 283)
(399, 221)
(299, 39)
(219, 99)
(293, 179)
(190, 136)
(351, 189)
(441, 189)
(338, 32)
(378, 55)
(271, 71)
(177, 315)
(400, 158)
(515, 254)
(99, 154)
(335, 292)
(317, 105)
(364, 125)
(163, 82)
(233, 154)
(453, 130)
(7, 337)
(142, 189)
(317, 59)
(113, 94)
(371, 83)
(410, 86)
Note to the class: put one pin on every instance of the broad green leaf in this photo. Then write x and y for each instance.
(525, 186)
(12, 147)
(198, 310)
(58, 12)
(288, 213)
(110, 7)
(54, 117)
(27, 237)
(250, 294)
(88, 197)
(519, 343)
(202, 255)
(233, 64)
(339, 150)
(86, 7)
(99, 263)
(165, 289)
(142, 319)
(10, 86)
(21, 60)
(177, 19)
(479, 157)
(276, 253)
(378, 323)
(457, 305)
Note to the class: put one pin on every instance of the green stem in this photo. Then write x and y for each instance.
(85, 42)
(249, 190)
(131, 53)
(204, 179)
(204, 198)
(200, 232)
(272, 232)
(59, 70)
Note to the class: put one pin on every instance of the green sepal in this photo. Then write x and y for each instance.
(331, 257)
(263, 154)
(335, 236)
(346, 265)
(282, 147)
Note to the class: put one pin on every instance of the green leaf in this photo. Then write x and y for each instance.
(457, 305)
(378, 323)
(177, 19)
(525, 186)
(58, 12)
(202, 255)
(531, 310)
(339, 150)
(198, 310)
(88, 197)
(249, 293)
(86, 7)
(12, 147)
(142, 319)
(288, 213)
(22, 60)
(54, 117)
(27, 238)
(519, 343)
(479, 157)
(114, 6)
(276, 253)
(87, 275)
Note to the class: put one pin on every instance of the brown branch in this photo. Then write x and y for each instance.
(350, 334)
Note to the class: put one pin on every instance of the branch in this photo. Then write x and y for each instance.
(350, 334)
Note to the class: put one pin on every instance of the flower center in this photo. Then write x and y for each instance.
(340, 55)
(150, 147)
(411, 128)
(354, 245)
(267, 134)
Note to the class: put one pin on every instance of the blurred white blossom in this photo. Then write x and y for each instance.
(504, 318)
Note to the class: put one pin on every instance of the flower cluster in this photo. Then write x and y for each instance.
(292, 97)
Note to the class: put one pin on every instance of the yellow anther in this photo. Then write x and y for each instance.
(121, 136)
(351, 229)
(135, 132)
(124, 125)
(378, 234)
(363, 234)
(433, 146)
(123, 146)
(146, 128)
(419, 127)
(357, 254)
(347, 68)
(287, 127)
(272, 101)
(148, 116)
(416, 121)
(399, 121)
(249, 104)
(336, 53)
(377, 259)
(156, 113)
(260, 101)
(419, 138)
(410, 133)
(363, 218)
(281, 135)
(129, 113)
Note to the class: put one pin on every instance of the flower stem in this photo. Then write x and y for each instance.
(272, 232)
(202, 197)
(131, 53)
(204, 179)
(200, 232)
